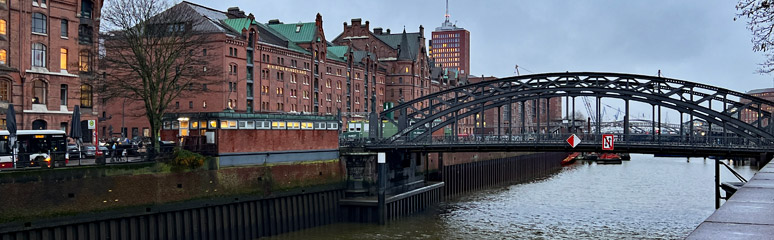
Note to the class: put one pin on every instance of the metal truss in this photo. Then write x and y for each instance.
(720, 107)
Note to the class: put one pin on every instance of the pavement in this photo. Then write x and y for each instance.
(748, 214)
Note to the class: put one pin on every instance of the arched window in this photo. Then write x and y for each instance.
(39, 23)
(39, 92)
(86, 96)
(38, 55)
(84, 61)
(5, 90)
(338, 84)
(251, 38)
(39, 124)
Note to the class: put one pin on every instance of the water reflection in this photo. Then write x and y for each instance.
(645, 198)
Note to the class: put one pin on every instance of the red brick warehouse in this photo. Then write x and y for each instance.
(47, 64)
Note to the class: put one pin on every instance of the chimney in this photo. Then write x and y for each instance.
(234, 12)
(367, 27)
(356, 22)
(421, 31)
(388, 31)
(378, 31)
(274, 21)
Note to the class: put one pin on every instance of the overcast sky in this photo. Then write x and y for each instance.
(689, 40)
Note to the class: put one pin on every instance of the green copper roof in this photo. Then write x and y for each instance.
(296, 32)
(238, 23)
(337, 52)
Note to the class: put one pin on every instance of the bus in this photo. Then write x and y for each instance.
(44, 148)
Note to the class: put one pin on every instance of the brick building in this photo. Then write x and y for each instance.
(402, 55)
(269, 68)
(490, 119)
(751, 116)
(46, 61)
(450, 46)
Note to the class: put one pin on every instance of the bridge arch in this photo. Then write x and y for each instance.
(683, 96)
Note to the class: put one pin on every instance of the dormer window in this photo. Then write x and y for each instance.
(298, 28)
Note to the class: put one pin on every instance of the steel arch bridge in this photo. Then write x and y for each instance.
(720, 108)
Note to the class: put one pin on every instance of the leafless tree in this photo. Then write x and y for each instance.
(760, 16)
(153, 54)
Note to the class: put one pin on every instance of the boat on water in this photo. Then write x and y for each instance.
(609, 158)
(570, 159)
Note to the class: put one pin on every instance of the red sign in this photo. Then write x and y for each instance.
(607, 141)
(573, 140)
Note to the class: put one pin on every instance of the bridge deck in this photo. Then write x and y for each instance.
(748, 214)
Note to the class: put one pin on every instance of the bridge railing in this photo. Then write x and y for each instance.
(525, 139)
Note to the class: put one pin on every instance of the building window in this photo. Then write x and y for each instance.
(63, 59)
(3, 27)
(84, 61)
(86, 8)
(64, 28)
(39, 92)
(3, 56)
(39, 23)
(86, 96)
(84, 34)
(38, 55)
(63, 95)
(5, 90)
(190, 104)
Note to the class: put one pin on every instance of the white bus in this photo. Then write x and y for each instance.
(44, 148)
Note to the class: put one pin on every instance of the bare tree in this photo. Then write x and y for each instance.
(153, 54)
(760, 15)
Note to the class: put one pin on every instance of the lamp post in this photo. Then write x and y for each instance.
(123, 116)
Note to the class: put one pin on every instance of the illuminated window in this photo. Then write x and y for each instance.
(84, 61)
(3, 27)
(63, 59)
(3, 57)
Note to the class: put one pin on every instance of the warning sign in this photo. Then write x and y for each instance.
(573, 140)
(607, 141)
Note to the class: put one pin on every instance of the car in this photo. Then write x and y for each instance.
(88, 151)
(104, 150)
(72, 151)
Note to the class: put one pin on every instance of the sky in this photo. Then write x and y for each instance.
(693, 40)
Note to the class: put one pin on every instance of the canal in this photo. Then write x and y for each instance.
(645, 198)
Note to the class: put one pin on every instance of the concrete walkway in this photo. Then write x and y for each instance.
(749, 214)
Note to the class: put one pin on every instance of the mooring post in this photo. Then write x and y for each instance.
(382, 180)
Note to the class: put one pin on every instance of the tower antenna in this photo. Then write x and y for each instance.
(447, 10)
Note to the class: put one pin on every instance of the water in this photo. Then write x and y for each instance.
(645, 198)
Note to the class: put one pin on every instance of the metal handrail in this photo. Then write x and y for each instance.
(736, 174)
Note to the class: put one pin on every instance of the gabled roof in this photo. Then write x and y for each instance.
(212, 17)
(393, 40)
(298, 32)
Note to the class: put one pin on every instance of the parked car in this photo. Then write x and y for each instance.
(72, 151)
(104, 151)
(89, 151)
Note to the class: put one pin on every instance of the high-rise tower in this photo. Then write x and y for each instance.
(450, 46)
